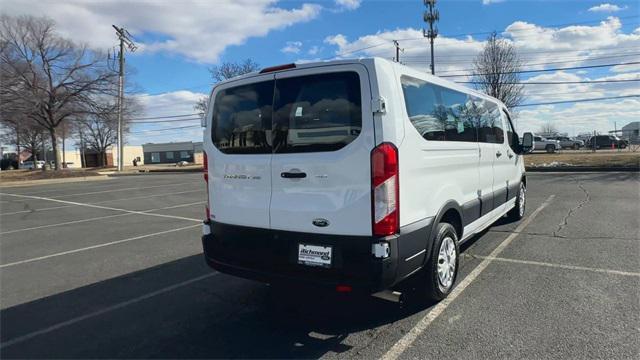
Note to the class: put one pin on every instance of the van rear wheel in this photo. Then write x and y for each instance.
(441, 270)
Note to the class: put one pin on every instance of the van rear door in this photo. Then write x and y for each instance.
(322, 141)
(239, 151)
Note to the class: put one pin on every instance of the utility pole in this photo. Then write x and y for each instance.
(431, 16)
(125, 38)
(398, 50)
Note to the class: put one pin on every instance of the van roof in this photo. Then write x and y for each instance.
(367, 61)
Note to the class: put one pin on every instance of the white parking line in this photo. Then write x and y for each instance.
(560, 266)
(97, 218)
(117, 306)
(123, 189)
(102, 207)
(399, 347)
(95, 246)
(98, 202)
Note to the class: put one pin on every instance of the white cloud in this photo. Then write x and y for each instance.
(292, 47)
(348, 4)
(198, 30)
(314, 50)
(626, 68)
(489, 2)
(167, 104)
(609, 8)
(562, 47)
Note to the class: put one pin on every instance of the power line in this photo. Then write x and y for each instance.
(554, 82)
(560, 62)
(544, 70)
(165, 129)
(579, 100)
(165, 117)
(533, 52)
(164, 121)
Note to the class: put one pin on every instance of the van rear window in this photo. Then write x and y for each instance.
(319, 112)
(312, 113)
(242, 119)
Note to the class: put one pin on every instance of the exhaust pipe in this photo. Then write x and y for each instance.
(389, 295)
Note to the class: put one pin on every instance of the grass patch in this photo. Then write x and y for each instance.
(38, 174)
(602, 159)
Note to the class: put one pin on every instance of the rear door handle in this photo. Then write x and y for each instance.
(509, 154)
(293, 175)
(498, 154)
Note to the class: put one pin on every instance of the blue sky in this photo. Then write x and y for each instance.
(180, 40)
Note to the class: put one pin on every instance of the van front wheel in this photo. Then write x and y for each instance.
(442, 268)
(517, 212)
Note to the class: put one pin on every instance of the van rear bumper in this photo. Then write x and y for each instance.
(271, 256)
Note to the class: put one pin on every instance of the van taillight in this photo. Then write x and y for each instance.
(385, 199)
(205, 169)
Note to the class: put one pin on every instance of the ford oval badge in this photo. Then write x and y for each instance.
(320, 222)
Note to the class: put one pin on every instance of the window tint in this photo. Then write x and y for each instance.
(490, 125)
(319, 112)
(242, 119)
(438, 113)
(510, 132)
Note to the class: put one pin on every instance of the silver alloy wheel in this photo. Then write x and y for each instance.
(446, 263)
(522, 199)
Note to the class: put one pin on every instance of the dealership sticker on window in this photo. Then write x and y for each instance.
(299, 111)
(313, 255)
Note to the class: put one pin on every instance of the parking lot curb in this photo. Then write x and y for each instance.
(152, 172)
(582, 169)
(12, 184)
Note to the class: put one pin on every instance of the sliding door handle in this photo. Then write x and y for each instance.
(293, 175)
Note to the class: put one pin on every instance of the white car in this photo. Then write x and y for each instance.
(354, 175)
(548, 145)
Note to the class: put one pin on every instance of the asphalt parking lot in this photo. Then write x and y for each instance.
(113, 269)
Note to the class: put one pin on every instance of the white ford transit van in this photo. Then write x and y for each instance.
(354, 174)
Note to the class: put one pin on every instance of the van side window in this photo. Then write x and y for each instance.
(242, 118)
(320, 112)
(490, 124)
(438, 113)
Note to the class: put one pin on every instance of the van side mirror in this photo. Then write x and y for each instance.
(527, 142)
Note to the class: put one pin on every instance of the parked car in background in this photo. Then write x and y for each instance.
(568, 143)
(30, 165)
(548, 145)
(606, 142)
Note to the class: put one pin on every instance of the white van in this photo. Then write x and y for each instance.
(354, 174)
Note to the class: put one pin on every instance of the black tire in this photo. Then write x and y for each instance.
(434, 288)
(517, 212)
(550, 149)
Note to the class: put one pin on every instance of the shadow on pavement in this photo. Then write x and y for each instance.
(218, 317)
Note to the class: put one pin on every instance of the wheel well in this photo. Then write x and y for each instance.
(452, 217)
(524, 180)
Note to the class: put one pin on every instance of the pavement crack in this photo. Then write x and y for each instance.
(573, 210)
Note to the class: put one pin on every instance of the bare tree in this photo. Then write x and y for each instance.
(100, 128)
(548, 128)
(496, 71)
(52, 79)
(224, 71)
